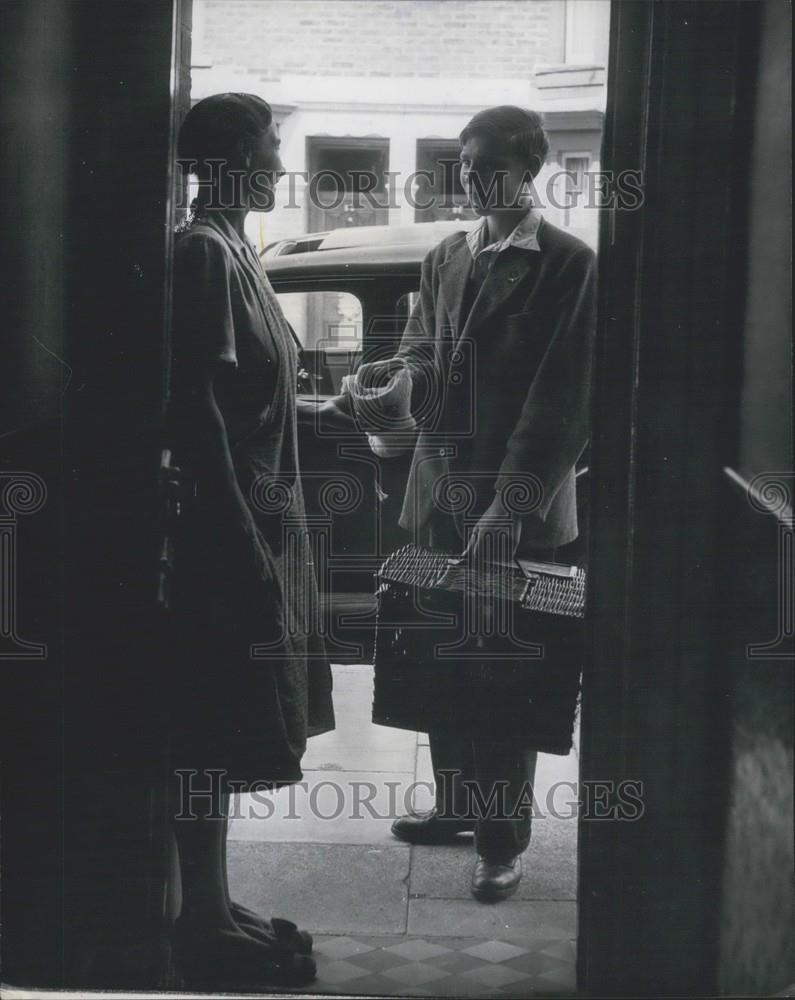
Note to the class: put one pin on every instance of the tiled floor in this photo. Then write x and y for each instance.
(444, 966)
(390, 919)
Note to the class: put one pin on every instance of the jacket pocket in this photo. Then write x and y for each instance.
(522, 348)
(520, 324)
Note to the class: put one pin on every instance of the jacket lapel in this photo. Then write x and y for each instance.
(505, 277)
(453, 275)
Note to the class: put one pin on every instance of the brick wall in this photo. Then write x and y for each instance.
(438, 38)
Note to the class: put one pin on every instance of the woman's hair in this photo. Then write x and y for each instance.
(216, 127)
(520, 130)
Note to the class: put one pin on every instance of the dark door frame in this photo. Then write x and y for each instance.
(655, 689)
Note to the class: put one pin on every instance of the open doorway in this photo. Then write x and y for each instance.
(682, 687)
(389, 102)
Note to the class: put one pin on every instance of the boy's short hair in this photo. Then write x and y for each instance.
(520, 130)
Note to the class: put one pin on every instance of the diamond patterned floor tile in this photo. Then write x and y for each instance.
(342, 947)
(396, 965)
(495, 951)
(415, 974)
(563, 949)
(535, 963)
(417, 950)
(381, 958)
(340, 972)
(564, 977)
(457, 962)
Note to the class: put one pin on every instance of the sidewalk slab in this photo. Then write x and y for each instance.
(327, 807)
(549, 867)
(339, 758)
(357, 744)
(513, 920)
(327, 889)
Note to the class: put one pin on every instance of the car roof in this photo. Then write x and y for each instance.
(365, 248)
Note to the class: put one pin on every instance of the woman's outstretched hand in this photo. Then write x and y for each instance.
(335, 414)
(331, 416)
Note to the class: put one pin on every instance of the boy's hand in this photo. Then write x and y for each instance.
(495, 537)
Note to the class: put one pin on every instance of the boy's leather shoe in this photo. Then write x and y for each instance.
(430, 828)
(493, 880)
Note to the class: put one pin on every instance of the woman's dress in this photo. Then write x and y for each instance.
(252, 679)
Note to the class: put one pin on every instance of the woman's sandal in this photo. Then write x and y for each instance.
(284, 932)
(224, 961)
(287, 931)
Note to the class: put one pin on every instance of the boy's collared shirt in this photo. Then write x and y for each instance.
(524, 236)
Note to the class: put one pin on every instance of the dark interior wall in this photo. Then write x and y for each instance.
(87, 140)
(34, 120)
(756, 953)
(119, 241)
(766, 427)
(681, 577)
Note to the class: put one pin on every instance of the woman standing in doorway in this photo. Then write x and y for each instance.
(252, 678)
